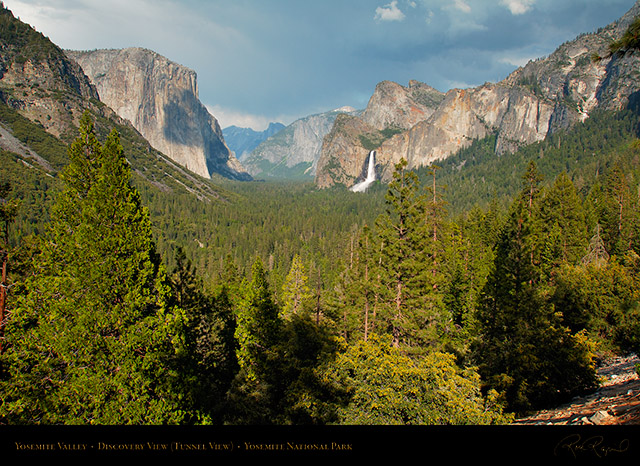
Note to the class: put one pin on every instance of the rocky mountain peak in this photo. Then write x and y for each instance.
(422, 125)
(160, 98)
(396, 106)
(294, 151)
(37, 79)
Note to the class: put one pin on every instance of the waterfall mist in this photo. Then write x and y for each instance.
(371, 175)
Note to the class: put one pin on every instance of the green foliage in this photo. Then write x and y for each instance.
(629, 42)
(374, 140)
(266, 276)
(277, 383)
(563, 223)
(601, 299)
(258, 326)
(35, 137)
(208, 363)
(532, 83)
(386, 387)
(24, 40)
(478, 176)
(527, 352)
(399, 231)
(92, 339)
(8, 209)
(296, 293)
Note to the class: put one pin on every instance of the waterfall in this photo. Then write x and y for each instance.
(371, 175)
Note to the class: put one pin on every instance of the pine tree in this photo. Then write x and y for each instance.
(617, 212)
(525, 350)
(208, 363)
(8, 211)
(258, 337)
(94, 341)
(563, 224)
(295, 293)
(400, 231)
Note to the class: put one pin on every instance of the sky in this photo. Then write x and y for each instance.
(261, 61)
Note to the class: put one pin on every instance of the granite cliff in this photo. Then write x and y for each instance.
(38, 80)
(392, 109)
(294, 151)
(160, 98)
(244, 140)
(544, 96)
(43, 95)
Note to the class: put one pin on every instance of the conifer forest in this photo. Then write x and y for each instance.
(471, 292)
(321, 307)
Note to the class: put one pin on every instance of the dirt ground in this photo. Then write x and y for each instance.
(616, 402)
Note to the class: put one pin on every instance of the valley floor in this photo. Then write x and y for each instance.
(616, 402)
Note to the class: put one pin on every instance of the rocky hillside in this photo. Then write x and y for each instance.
(396, 106)
(294, 151)
(160, 98)
(615, 402)
(392, 109)
(43, 94)
(38, 80)
(242, 141)
(544, 96)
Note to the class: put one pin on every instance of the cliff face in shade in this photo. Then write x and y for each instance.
(160, 98)
(546, 95)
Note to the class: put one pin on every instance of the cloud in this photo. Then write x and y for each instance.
(229, 117)
(389, 12)
(429, 17)
(462, 6)
(515, 60)
(518, 7)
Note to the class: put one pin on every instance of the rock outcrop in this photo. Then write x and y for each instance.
(38, 80)
(392, 109)
(341, 159)
(242, 141)
(160, 98)
(396, 106)
(294, 151)
(544, 96)
(615, 402)
(44, 93)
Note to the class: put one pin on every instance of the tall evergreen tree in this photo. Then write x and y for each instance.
(258, 336)
(618, 212)
(563, 224)
(401, 231)
(525, 350)
(8, 210)
(208, 363)
(94, 341)
(295, 293)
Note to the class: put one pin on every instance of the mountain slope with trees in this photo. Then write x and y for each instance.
(544, 96)
(473, 292)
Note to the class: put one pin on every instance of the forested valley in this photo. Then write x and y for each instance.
(466, 293)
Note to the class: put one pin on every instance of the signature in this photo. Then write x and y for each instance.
(596, 445)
